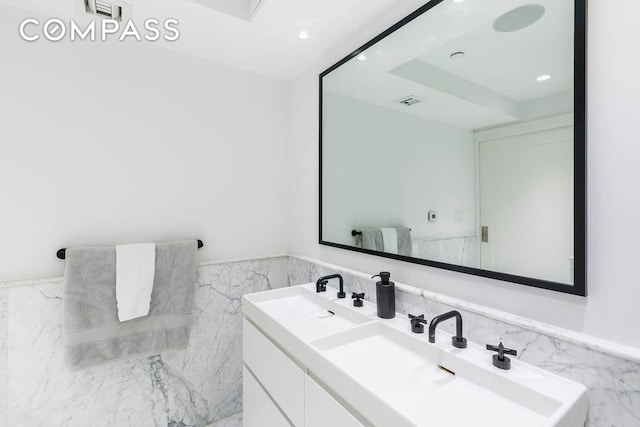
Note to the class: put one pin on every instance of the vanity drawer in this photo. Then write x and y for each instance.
(282, 378)
(259, 409)
(323, 410)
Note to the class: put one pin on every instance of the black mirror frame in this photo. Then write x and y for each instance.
(580, 166)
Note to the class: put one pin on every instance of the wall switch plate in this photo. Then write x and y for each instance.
(432, 216)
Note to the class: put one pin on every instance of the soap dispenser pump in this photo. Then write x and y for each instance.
(385, 296)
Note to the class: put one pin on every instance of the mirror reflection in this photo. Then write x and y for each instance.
(452, 140)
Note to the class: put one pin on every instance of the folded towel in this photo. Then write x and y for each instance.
(135, 269)
(92, 331)
(390, 240)
(370, 239)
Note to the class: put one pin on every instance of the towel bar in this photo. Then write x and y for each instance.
(62, 253)
(355, 233)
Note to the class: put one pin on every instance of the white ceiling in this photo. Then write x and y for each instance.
(515, 59)
(267, 45)
(495, 81)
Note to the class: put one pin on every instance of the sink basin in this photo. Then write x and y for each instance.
(306, 314)
(425, 384)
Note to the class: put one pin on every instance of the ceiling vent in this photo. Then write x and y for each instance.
(106, 9)
(409, 100)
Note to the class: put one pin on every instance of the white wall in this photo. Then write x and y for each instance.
(384, 171)
(526, 201)
(125, 142)
(611, 309)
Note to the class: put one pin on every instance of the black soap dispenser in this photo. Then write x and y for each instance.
(385, 296)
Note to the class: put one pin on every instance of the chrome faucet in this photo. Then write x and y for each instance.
(321, 284)
(458, 340)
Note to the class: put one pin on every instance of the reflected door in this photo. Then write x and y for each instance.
(526, 204)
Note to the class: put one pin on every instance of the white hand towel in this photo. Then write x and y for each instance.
(390, 240)
(135, 271)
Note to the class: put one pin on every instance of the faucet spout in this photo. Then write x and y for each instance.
(458, 340)
(321, 284)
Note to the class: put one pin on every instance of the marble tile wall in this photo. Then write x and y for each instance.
(234, 420)
(456, 250)
(194, 387)
(613, 382)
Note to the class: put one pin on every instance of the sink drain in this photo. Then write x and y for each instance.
(327, 315)
(446, 370)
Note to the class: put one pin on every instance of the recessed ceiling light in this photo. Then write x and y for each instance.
(303, 35)
(362, 57)
(457, 55)
(458, 1)
(543, 78)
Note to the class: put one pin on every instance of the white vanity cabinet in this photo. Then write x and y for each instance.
(279, 392)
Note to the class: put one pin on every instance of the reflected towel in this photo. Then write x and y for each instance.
(404, 241)
(135, 270)
(92, 332)
(370, 239)
(390, 240)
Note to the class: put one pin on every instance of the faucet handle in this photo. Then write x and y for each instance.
(502, 350)
(500, 360)
(417, 323)
(357, 299)
(321, 286)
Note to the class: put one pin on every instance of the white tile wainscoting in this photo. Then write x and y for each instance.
(194, 387)
(202, 385)
(610, 371)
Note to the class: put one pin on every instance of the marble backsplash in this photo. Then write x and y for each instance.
(194, 387)
(613, 382)
(463, 250)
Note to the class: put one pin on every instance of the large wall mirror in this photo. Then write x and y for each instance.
(456, 139)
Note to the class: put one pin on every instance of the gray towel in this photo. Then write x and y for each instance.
(404, 241)
(92, 333)
(370, 239)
